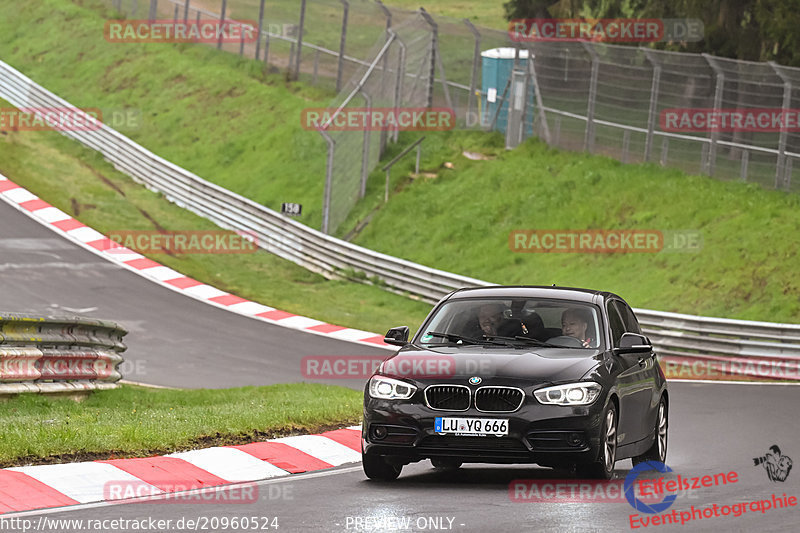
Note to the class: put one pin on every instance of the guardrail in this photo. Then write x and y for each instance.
(674, 335)
(58, 354)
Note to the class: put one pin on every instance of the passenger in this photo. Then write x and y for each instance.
(575, 323)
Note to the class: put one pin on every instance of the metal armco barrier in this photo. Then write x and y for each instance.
(58, 354)
(672, 334)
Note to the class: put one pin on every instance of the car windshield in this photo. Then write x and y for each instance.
(514, 321)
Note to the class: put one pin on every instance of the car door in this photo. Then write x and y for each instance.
(647, 373)
(633, 386)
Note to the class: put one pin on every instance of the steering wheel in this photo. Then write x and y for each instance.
(565, 341)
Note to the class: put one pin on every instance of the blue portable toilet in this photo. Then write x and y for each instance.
(497, 65)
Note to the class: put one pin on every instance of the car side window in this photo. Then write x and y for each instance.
(628, 318)
(615, 322)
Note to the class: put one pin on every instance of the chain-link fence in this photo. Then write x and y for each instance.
(601, 98)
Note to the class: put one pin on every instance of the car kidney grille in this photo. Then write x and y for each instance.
(447, 397)
(498, 399)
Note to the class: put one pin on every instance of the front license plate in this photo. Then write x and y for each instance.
(470, 426)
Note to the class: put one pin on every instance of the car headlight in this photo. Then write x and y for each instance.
(581, 393)
(390, 389)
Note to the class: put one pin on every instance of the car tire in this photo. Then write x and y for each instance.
(442, 463)
(378, 468)
(603, 467)
(658, 451)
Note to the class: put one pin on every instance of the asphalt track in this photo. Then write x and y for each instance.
(178, 341)
(173, 340)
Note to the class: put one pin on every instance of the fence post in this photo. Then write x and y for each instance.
(476, 57)
(398, 84)
(186, 12)
(712, 150)
(588, 141)
(780, 171)
(342, 40)
(388, 15)
(260, 28)
(434, 47)
(296, 74)
(222, 22)
(538, 94)
(436, 62)
(151, 16)
(651, 115)
(316, 68)
(664, 151)
(326, 202)
(365, 147)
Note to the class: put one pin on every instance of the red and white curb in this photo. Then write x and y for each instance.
(96, 242)
(46, 486)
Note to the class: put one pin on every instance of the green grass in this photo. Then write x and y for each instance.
(78, 181)
(460, 221)
(135, 422)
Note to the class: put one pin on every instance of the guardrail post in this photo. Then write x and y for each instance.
(222, 22)
(651, 114)
(186, 12)
(720, 83)
(588, 141)
(260, 28)
(743, 170)
(780, 171)
(626, 142)
(342, 40)
(664, 151)
(473, 80)
(301, 26)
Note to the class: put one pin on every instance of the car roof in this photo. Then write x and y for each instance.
(533, 291)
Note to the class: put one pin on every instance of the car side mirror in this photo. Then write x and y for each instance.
(633, 343)
(397, 336)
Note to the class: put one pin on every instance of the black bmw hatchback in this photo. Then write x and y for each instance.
(560, 377)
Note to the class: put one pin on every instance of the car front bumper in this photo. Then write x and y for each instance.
(548, 435)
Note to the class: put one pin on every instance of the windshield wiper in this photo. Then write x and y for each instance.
(453, 338)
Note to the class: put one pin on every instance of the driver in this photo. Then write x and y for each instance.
(575, 323)
(493, 323)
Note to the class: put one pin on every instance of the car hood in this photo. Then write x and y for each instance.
(535, 364)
